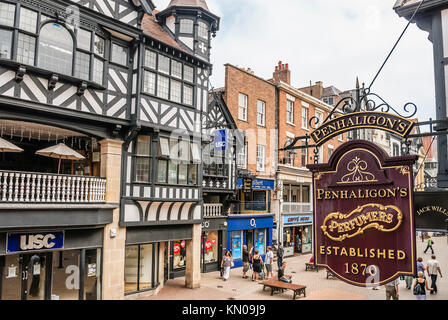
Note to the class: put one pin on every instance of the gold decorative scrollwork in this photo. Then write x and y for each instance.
(357, 168)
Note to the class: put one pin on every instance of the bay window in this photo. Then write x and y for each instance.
(203, 30)
(119, 54)
(53, 43)
(186, 26)
(167, 78)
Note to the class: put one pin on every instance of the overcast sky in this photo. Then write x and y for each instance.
(329, 41)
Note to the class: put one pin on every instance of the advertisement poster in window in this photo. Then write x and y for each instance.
(236, 246)
(259, 241)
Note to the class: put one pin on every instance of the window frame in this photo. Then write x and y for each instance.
(261, 114)
(244, 108)
(136, 156)
(290, 112)
(263, 167)
(154, 267)
(305, 127)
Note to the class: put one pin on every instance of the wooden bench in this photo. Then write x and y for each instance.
(311, 267)
(330, 275)
(277, 285)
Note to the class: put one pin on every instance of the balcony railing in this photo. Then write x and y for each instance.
(249, 207)
(212, 210)
(50, 188)
(296, 207)
(215, 170)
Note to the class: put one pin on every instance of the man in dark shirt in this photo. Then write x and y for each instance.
(281, 274)
(245, 262)
(279, 255)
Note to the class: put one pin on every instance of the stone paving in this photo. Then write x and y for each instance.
(318, 287)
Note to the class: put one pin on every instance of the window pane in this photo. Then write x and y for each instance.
(186, 26)
(192, 174)
(161, 172)
(150, 59)
(149, 85)
(188, 95)
(5, 44)
(130, 268)
(164, 64)
(183, 169)
(25, 49)
(28, 20)
(184, 150)
(119, 54)
(175, 91)
(195, 152)
(65, 275)
(172, 173)
(98, 69)
(82, 66)
(188, 73)
(55, 49)
(99, 46)
(203, 30)
(7, 14)
(143, 145)
(142, 169)
(146, 271)
(176, 69)
(84, 37)
(163, 87)
(92, 275)
(164, 149)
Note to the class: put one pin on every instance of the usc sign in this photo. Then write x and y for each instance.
(364, 214)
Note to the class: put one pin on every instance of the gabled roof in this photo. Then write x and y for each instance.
(331, 91)
(189, 3)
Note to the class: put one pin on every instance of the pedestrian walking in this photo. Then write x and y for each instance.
(280, 252)
(256, 265)
(245, 262)
(420, 284)
(281, 274)
(433, 266)
(226, 263)
(392, 289)
(420, 266)
(408, 280)
(269, 261)
(430, 243)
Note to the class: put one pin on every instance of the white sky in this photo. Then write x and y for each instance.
(326, 40)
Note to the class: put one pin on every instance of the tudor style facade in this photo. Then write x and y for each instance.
(110, 80)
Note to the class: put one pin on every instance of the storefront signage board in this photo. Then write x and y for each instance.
(256, 184)
(367, 119)
(431, 211)
(364, 226)
(297, 220)
(221, 139)
(24, 242)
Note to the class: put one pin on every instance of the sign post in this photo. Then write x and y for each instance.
(364, 214)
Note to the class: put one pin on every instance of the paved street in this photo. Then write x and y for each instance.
(318, 287)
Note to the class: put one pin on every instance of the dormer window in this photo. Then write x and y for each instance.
(55, 49)
(203, 30)
(186, 26)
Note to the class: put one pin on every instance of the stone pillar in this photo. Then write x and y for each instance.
(113, 247)
(193, 267)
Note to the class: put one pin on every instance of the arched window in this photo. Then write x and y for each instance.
(55, 49)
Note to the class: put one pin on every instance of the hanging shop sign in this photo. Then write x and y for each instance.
(368, 119)
(221, 139)
(431, 210)
(364, 214)
(254, 184)
(21, 242)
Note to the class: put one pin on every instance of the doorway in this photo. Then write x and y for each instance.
(250, 241)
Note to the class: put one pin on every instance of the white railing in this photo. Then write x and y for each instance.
(33, 187)
(296, 207)
(212, 210)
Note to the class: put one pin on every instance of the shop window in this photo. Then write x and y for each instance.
(260, 241)
(306, 194)
(179, 254)
(236, 242)
(65, 275)
(141, 265)
(210, 246)
(55, 49)
(92, 275)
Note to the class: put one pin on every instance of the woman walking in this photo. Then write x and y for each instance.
(256, 263)
(226, 263)
(420, 284)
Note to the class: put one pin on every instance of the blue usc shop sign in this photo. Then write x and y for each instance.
(21, 242)
(221, 139)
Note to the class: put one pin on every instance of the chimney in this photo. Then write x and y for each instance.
(318, 89)
(282, 73)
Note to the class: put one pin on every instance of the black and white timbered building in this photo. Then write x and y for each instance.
(126, 87)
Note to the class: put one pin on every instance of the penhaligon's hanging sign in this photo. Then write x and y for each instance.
(363, 214)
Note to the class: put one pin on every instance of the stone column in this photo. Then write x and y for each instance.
(193, 268)
(113, 247)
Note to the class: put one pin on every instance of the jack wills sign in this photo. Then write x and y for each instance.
(363, 214)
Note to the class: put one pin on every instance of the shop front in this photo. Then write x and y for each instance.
(51, 264)
(297, 234)
(254, 231)
(214, 238)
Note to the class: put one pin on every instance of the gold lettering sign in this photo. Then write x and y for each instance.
(367, 119)
(339, 227)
